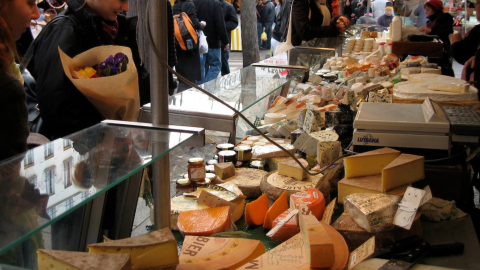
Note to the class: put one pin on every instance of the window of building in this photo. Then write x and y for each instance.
(48, 150)
(69, 203)
(84, 195)
(67, 144)
(50, 180)
(33, 180)
(67, 172)
(52, 212)
(28, 160)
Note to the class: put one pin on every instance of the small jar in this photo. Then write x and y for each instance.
(211, 177)
(257, 164)
(381, 49)
(224, 147)
(183, 182)
(210, 168)
(196, 169)
(212, 162)
(227, 156)
(389, 48)
(244, 153)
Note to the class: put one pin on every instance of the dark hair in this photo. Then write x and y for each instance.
(8, 49)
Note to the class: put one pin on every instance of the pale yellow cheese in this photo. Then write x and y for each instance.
(202, 252)
(369, 163)
(71, 260)
(154, 250)
(291, 168)
(449, 87)
(403, 170)
(224, 170)
(319, 247)
(365, 184)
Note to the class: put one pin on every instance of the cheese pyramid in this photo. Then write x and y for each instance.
(369, 163)
(61, 260)
(152, 250)
(403, 170)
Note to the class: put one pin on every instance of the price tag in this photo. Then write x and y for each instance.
(327, 215)
(408, 207)
(361, 253)
(282, 222)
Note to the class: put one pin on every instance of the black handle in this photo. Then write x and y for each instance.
(446, 250)
(417, 253)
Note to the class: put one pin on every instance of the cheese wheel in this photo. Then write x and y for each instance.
(205, 222)
(313, 198)
(248, 181)
(274, 185)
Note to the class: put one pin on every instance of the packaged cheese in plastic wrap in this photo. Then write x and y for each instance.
(372, 212)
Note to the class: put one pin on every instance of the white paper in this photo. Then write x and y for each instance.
(408, 207)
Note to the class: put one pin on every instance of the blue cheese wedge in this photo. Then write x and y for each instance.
(380, 97)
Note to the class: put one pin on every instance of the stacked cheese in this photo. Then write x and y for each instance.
(283, 108)
(380, 171)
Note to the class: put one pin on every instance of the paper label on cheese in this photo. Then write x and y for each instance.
(408, 207)
(361, 253)
(327, 215)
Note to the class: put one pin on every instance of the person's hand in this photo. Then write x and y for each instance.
(469, 65)
(203, 23)
(227, 47)
(455, 38)
(425, 30)
(342, 23)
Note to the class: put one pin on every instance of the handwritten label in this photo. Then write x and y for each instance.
(408, 207)
(327, 215)
(361, 253)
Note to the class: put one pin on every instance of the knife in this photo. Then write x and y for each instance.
(407, 260)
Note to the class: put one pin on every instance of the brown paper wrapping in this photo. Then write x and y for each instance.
(115, 97)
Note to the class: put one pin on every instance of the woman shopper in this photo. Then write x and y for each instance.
(15, 17)
(91, 23)
(440, 24)
(188, 61)
(260, 21)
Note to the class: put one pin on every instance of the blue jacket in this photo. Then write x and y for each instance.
(269, 12)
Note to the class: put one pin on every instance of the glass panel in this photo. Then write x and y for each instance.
(313, 59)
(99, 158)
(240, 89)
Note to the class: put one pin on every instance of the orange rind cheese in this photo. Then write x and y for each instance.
(256, 211)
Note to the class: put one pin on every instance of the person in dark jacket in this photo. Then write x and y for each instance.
(386, 19)
(305, 28)
(421, 16)
(236, 6)
(281, 24)
(231, 22)
(210, 11)
(463, 49)
(15, 17)
(441, 24)
(268, 21)
(260, 9)
(63, 108)
(188, 61)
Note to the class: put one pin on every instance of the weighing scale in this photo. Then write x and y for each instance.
(415, 127)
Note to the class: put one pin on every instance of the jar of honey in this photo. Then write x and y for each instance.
(196, 169)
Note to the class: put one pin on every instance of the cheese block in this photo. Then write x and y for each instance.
(337, 117)
(312, 198)
(369, 163)
(319, 247)
(292, 255)
(449, 87)
(310, 123)
(256, 211)
(272, 163)
(248, 181)
(278, 107)
(189, 201)
(366, 184)
(404, 170)
(278, 207)
(355, 235)
(380, 98)
(350, 99)
(291, 168)
(202, 252)
(289, 229)
(63, 260)
(154, 250)
(372, 212)
(436, 71)
(269, 151)
(211, 200)
(205, 222)
(410, 70)
(274, 185)
(327, 152)
(420, 90)
(224, 170)
(271, 118)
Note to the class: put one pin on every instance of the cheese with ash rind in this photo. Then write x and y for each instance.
(202, 252)
(372, 212)
(153, 250)
(404, 170)
(291, 168)
(65, 260)
(369, 163)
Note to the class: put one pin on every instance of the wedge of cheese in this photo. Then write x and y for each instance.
(319, 247)
(288, 230)
(154, 250)
(404, 170)
(291, 168)
(205, 222)
(313, 198)
(366, 184)
(327, 152)
(201, 252)
(64, 260)
(256, 211)
(369, 163)
(278, 207)
(224, 170)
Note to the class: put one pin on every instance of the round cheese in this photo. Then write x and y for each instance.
(271, 118)
(248, 181)
(274, 184)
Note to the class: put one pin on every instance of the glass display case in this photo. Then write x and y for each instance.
(50, 184)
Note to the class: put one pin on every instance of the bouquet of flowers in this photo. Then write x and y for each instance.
(106, 77)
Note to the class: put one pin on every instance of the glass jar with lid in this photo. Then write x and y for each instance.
(196, 169)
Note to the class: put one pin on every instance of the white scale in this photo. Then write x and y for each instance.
(424, 126)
